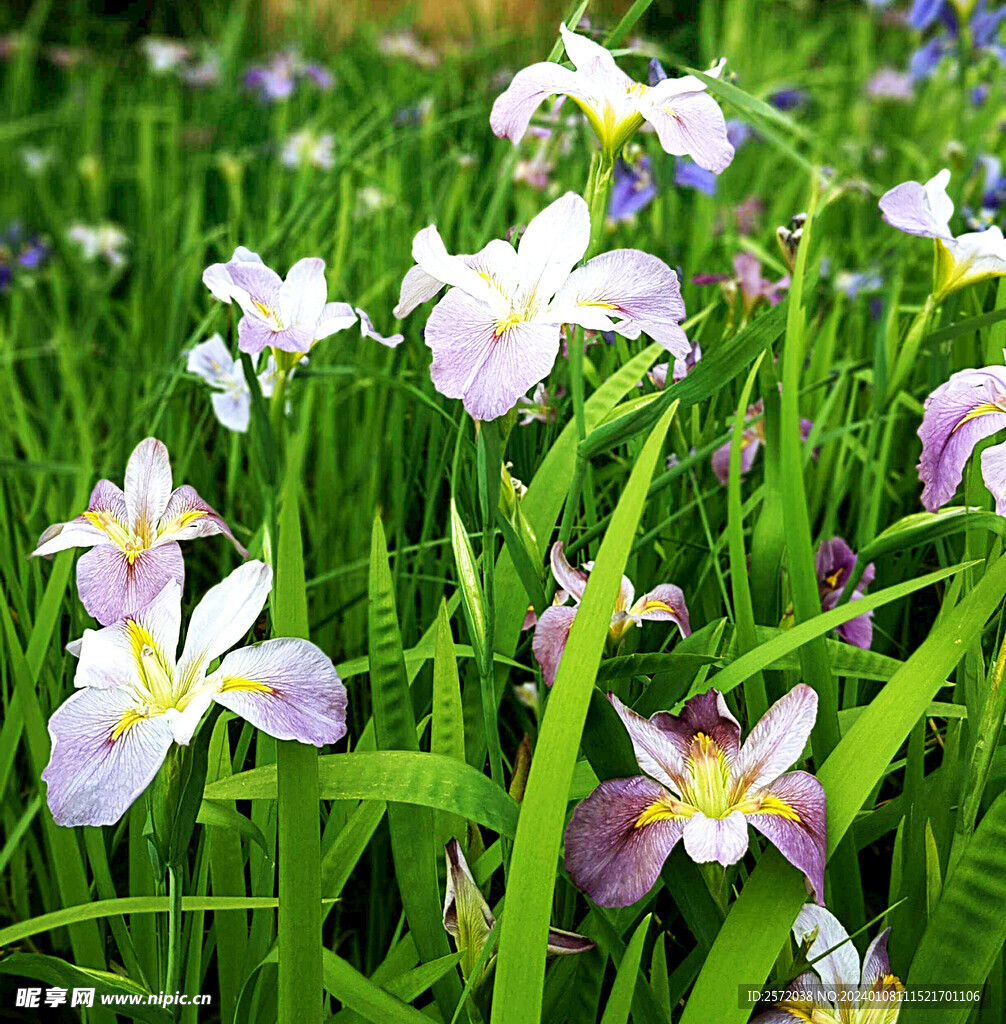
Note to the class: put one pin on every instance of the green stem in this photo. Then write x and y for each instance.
(173, 967)
(910, 346)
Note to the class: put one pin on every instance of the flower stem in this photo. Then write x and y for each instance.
(716, 879)
(173, 966)
(910, 347)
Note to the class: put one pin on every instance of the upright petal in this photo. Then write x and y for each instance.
(958, 414)
(286, 687)
(148, 485)
(720, 840)
(572, 580)
(858, 631)
(688, 124)
(778, 739)
(484, 361)
(187, 516)
(417, 287)
(430, 253)
(303, 294)
(705, 713)
(794, 820)
(552, 244)
(825, 932)
(104, 755)
(223, 617)
(550, 636)
(665, 603)
(618, 839)
(920, 209)
(584, 53)
(367, 330)
(336, 316)
(256, 288)
(111, 587)
(625, 289)
(656, 753)
(218, 277)
(511, 113)
(876, 962)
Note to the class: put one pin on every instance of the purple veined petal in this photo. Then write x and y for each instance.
(958, 414)
(295, 338)
(623, 287)
(187, 516)
(460, 888)
(430, 253)
(611, 856)
(254, 335)
(720, 840)
(417, 287)
(232, 409)
(777, 1016)
(257, 289)
(552, 244)
(286, 687)
(549, 641)
(689, 124)
(367, 330)
(583, 52)
(114, 656)
(656, 752)
(512, 110)
(920, 17)
(751, 442)
(147, 485)
(106, 505)
(498, 264)
(778, 740)
(303, 294)
(573, 581)
(336, 316)
(486, 362)
(212, 361)
(834, 562)
(920, 209)
(801, 840)
(994, 474)
(825, 932)
(111, 588)
(664, 603)
(705, 713)
(223, 617)
(104, 755)
(562, 943)
(858, 631)
(876, 962)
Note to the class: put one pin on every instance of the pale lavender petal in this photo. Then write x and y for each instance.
(232, 409)
(430, 253)
(552, 244)
(803, 842)
(720, 840)
(876, 962)
(705, 713)
(958, 414)
(257, 287)
(303, 294)
(336, 316)
(665, 603)
(572, 580)
(148, 485)
(217, 278)
(187, 516)
(611, 858)
(110, 588)
(778, 739)
(920, 209)
(511, 113)
(751, 442)
(826, 932)
(655, 750)
(212, 361)
(417, 287)
(585, 54)
(254, 334)
(689, 124)
(550, 636)
(994, 474)
(489, 371)
(77, 533)
(103, 756)
(296, 338)
(367, 330)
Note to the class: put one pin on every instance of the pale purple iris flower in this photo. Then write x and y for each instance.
(968, 408)
(134, 700)
(540, 407)
(468, 919)
(367, 331)
(664, 603)
(682, 367)
(133, 535)
(747, 279)
(702, 786)
(752, 438)
(290, 315)
(688, 174)
(891, 84)
(686, 118)
(926, 210)
(835, 562)
(840, 991)
(277, 79)
(496, 333)
(231, 398)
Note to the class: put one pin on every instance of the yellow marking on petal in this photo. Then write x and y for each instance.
(769, 804)
(502, 326)
(126, 722)
(139, 638)
(657, 606)
(985, 409)
(241, 684)
(636, 89)
(598, 304)
(833, 579)
(182, 520)
(664, 808)
(264, 310)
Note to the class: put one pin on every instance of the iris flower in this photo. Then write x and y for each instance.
(134, 699)
(632, 189)
(290, 315)
(752, 438)
(968, 408)
(495, 334)
(748, 281)
(687, 119)
(982, 31)
(231, 397)
(682, 367)
(133, 535)
(307, 148)
(845, 993)
(469, 920)
(835, 562)
(664, 603)
(926, 210)
(701, 785)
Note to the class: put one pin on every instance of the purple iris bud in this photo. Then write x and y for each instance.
(632, 189)
(788, 99)
(979, 94)
(655, 72)
(33, 255)
(688, 174)
(924, 13)
(835, 562)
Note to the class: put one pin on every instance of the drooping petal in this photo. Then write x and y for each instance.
(111, 587)
(232, 409)
(187, 516)
(720, 840)
(834, 562)
(618, 839)
(977, 256)
(857, 631)
(994, 474)
(751, 442)
(825, 932)
(794, 820)
(254, 335)
(550, 636)
(704, 713)
(367, 330)
(920, 209)
(512, 110)
(922, 14)
(303, 294)
(106, 515)
(628, 291)
(572, 580)
(417, 287)
(286, 687)
(335, 316)
(489, 371)
(778, 739)
(223, 617)
(562, 943)
(552, 244)
(665, 603)
(77, 533)
(958, 414)
(104, 755)
(147, 485)
(689, 124)
(114, 656)
(656, 753)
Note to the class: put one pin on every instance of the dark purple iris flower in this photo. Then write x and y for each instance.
(835, 563)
